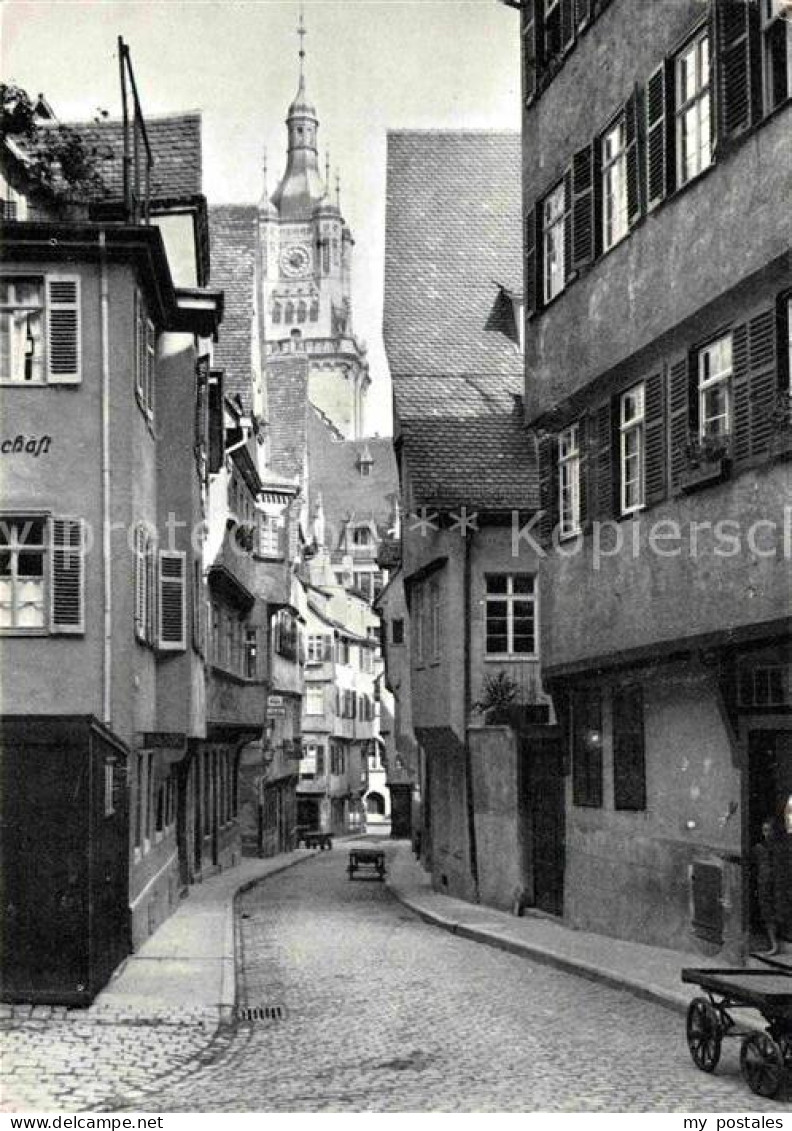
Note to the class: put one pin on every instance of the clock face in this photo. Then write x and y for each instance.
(296, 260)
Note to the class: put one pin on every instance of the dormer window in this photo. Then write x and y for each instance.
(361, 536)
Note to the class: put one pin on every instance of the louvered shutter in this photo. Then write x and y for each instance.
(680, 408)
(763, 378)
(656, 138)
(567, 24)
(583, 208)
(67, 576)
(738, 93)
(582, 13)
(741, 396)
(601, 456)
(568, 266)
(655, 462)
(548, 488)
(532, 275)
(583, 472)
(172, 614)
(64, 352)
(529, 50)
(633, 157)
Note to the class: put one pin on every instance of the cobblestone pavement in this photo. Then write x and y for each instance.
(383, 1012)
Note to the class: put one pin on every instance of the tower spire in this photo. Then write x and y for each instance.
(302, 32)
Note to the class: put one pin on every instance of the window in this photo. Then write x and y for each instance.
(364, 469)
(776, 53)
(145, 586)
(632, 418)
(569, 481)
(435, 620)
(714, 388)
(318, 649)
(693, 109)
(314, 700)
(285, 635)
(510, 615)
(337, 759)
(145, 354)
(342, 651)
(109, 787)
(766, 685)
(629, 769)
(613, 156)
(361, 536)
(277, 313)
(251, 653)
(586, 733)
(314, 315)
(554, 224)
(22, 562)
(269, 537)
(302, 312)
(39, 338)
(289, 313)
(397, 631)
(42, 574)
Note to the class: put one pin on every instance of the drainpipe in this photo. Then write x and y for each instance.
(106, 541)
(471, 807)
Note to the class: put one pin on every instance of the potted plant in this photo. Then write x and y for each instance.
(498, 699)
(706, 460)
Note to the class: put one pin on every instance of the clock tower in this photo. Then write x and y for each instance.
(306, 273)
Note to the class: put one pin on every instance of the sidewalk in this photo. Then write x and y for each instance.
(187, 967)
(648, 972)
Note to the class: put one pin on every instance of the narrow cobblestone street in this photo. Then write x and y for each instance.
(383, 1012)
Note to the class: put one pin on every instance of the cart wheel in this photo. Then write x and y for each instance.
(704, 1034)
(762, 1064)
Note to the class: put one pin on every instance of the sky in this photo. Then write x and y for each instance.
(371, 66)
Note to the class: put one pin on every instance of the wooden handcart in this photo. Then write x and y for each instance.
(311, 838)
(369, 861)
(765, 1055)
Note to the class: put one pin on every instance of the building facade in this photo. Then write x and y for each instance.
(103, 684)
(657, 291)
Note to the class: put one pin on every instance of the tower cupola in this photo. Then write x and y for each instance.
(302, 187)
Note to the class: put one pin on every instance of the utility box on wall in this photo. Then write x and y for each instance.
(64, 820)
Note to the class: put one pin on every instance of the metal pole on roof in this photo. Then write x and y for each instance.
(125, 117)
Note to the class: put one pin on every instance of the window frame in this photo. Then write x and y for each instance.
(705, 386)
(8, 308)
(634, 426)
(703, 91)
(511, 598)
(314, 696)
(569, 464)
(555, 229)
(617, 161)
(13, 547)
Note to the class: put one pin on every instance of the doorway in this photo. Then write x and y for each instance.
(770, 795)
(542, 804)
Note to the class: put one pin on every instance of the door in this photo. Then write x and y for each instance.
(770, 796)
(542, 786)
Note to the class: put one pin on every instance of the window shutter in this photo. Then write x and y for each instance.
(532, 275)
(216, 428)
(140, 346)
(603, 487)
(629, 763)
(633, 157)
(737, 93)
(67, 576)
(582, 13)
(172, 617)
(568, 267)
(584, 426)
(656, 138)
(529, 50)
(548, 488)
(763, 378)
(140, 584)
(655, 455)
(64, 353)
(567, 24)
(583, 208)
(679, 415)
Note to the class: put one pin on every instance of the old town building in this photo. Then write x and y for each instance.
(657, 293)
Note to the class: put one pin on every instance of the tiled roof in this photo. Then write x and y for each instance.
(417, 395)
(232, 239)
(175, 141)
(287, 394)
(482, 458)
(453, 235)
(334, 473)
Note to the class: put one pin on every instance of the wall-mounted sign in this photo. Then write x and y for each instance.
(26, 445)
(275, 701)
(276, 712)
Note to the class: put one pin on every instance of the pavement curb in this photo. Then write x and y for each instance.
(548, 958)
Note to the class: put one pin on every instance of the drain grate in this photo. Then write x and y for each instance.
(261, 1013)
